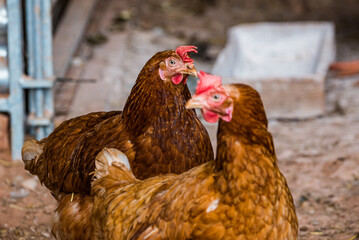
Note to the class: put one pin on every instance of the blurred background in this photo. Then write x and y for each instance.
(85, 56)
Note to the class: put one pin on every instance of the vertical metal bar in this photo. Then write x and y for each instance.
(15, 70)
(47, 59)
(30, 55)
(39, 93)
(47, 38)
(38, 48)
(4, 71)
(40, 59)
(30, 39)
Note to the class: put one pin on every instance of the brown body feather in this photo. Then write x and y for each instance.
(71, 219)
(240, 195)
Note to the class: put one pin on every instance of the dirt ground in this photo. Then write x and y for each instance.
(319, 157)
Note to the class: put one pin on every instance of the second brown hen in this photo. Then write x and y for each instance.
(240, 195)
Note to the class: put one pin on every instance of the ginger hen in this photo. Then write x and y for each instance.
(240, 195)
(155, 131)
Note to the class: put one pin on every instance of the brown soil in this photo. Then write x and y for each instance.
(25, 216)
(320, 159)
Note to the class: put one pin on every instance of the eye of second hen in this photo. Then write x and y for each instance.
(172, 62)
(216, 97)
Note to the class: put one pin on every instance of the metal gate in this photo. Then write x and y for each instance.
(27, 67)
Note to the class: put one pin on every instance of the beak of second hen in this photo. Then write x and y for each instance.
(194, 102)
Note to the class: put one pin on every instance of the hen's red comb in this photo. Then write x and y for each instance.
(183, 52)
(207, 81)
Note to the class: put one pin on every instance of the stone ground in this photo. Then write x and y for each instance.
(319, 157)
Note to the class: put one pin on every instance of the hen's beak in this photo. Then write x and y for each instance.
(194, 102)
(190, 70)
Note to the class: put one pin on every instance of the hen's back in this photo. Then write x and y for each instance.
(52, 158)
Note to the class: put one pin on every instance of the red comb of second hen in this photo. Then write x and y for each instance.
(207, 81)
(183, 52)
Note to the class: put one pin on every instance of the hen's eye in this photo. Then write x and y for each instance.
(216, 97)
(172, 62)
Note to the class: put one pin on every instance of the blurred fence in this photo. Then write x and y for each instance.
(26, 66)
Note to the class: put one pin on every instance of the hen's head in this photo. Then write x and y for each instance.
(174, 66)
(214, 101)
(225, 101)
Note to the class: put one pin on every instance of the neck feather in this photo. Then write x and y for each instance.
(245, 165)
(152, 101)
(245, 150)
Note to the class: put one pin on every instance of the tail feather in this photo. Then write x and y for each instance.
(106, 158)
(34, 162)
(31, 152)
(112, 166)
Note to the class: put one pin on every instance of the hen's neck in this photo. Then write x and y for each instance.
(246, 159)
(251, 182)
(152, 102)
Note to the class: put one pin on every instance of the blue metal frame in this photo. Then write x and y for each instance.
(39, 36)
(14, 104)
(40, 71)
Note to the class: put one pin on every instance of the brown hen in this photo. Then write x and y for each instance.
(155, 131)
(240, 195)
